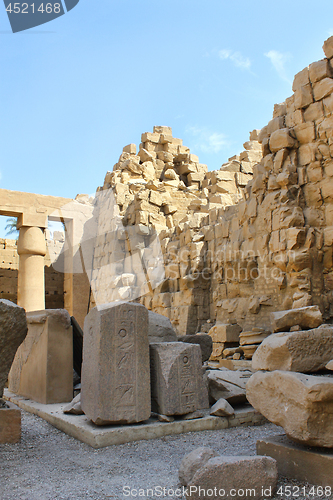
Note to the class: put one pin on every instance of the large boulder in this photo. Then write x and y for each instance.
(160, 329)
(203, 340)
(13, 330)
(301, 404)
(248, 478)
(305, 317)
(301, 351)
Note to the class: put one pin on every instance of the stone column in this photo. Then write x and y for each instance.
(31, 248)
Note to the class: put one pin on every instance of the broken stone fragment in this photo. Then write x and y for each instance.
(74, 407)
(228, 384)
(299, 351)
(222, 409)
(194, 461)
(301, 404)
(242, 474)
(329, 365)
(306, 317)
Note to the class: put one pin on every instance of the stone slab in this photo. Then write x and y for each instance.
(176, 378)
(81, 428)
(10, 424)
(115, 375)
(305, 464)
(43, 366)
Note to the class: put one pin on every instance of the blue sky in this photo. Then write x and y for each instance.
(74, 91)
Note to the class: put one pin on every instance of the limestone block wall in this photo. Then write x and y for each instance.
(272, 250)
(164, 201)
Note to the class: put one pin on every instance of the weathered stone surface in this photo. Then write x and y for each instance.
(222, 409)
(301, 404)
(43, 365)
(228, 384)
(323, 88)
(247, 476)
(10, 424)
(176, 378)
(74, 406)
(225, 333)
(160, 329)
(203, 340)
(192, 462)
(281, 139)
(296, 461)
(306, 317)
(13, 330)
(115, 371)
(300, 351)
(328, 47)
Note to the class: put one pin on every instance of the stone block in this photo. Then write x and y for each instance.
(301, 404)
(203, 340)
(43, 365)
(221, 477)
(227, 384)
(320, 70)
(176, 378)
(299, 351)
(294, 461)
(303, 97)
(131, 148)
(328, 47)
(281, 139)
(10, 424)
(301, 79)
(115, 371)
(160, 328)
(13, 330)
(306, 317)
(314, 112)
(305, 132)
(323, 88)
(225, 332)
(194, 461)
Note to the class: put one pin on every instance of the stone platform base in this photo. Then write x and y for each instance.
(10, 424)
(311, 465)
(81, 428)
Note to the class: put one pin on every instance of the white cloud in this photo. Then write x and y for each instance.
(236, 58)
(278, 61)
(207, 141)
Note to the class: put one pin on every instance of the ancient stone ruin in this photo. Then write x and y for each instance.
(198, 292)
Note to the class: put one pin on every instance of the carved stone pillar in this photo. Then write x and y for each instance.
(31, 248)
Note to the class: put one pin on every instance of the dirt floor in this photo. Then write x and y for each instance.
(49, 465)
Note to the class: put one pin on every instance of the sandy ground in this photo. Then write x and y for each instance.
(49, 465)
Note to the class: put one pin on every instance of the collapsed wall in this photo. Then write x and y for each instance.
(163, 190)
(251, 238)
